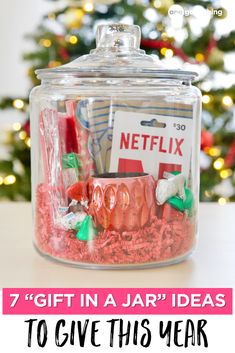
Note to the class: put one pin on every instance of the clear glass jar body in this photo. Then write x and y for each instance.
(115, 170)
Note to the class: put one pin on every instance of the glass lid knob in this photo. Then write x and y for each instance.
(118, 36)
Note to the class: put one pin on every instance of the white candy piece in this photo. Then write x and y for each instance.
(84, 203)
(167, 188)
(71, 219)
(73, 203)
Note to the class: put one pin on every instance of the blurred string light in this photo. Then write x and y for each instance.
(199, 57)
(44, 42)
(163, 51)
(227, 101)
(206, 99)
(208, 193)
(218, 163)
(54, 63)
(72, 39)
(226, 173)
(9, 180)
(18, 104)
(168, 53)
(157, 4)
(16, 126)
(88, 6)
(28, 142)
(214, 151)
(222, 201)
(22, 135)
(164, 36)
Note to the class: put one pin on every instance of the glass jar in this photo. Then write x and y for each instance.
(115, 157)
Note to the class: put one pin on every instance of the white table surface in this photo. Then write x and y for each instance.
(211, 265)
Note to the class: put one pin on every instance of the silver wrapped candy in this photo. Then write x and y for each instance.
(167, 188)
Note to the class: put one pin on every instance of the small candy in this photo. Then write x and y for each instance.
(77, 191)
(167, 188)
(72, 220)
(73, 203)
(63, 209)
(87, 230)
(71, 160)
(70, 165)
(180, 204)
(76, 207)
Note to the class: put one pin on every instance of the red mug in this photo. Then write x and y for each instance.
(121, 201)
(118, 201)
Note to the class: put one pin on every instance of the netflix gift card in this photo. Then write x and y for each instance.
(153, 144)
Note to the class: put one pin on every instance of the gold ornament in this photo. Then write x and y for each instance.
(73, 18)
(216, 59)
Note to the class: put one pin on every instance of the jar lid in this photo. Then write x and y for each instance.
(117, 54)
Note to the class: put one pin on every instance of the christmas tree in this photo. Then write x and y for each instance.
(173, 30)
